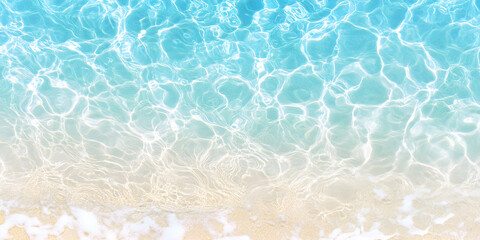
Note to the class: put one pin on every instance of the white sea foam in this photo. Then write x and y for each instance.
(357, 234)
(175, 230)
(407, 203)
(442, 220)
(379, 193)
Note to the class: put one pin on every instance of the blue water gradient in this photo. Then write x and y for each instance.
(204, 104)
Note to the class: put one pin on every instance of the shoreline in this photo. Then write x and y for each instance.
(379, 210)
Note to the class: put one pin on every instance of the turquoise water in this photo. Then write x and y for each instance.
(361, 117)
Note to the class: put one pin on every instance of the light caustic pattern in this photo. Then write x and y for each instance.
(240, 119)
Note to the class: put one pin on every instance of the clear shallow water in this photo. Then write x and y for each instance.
(247, 119)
